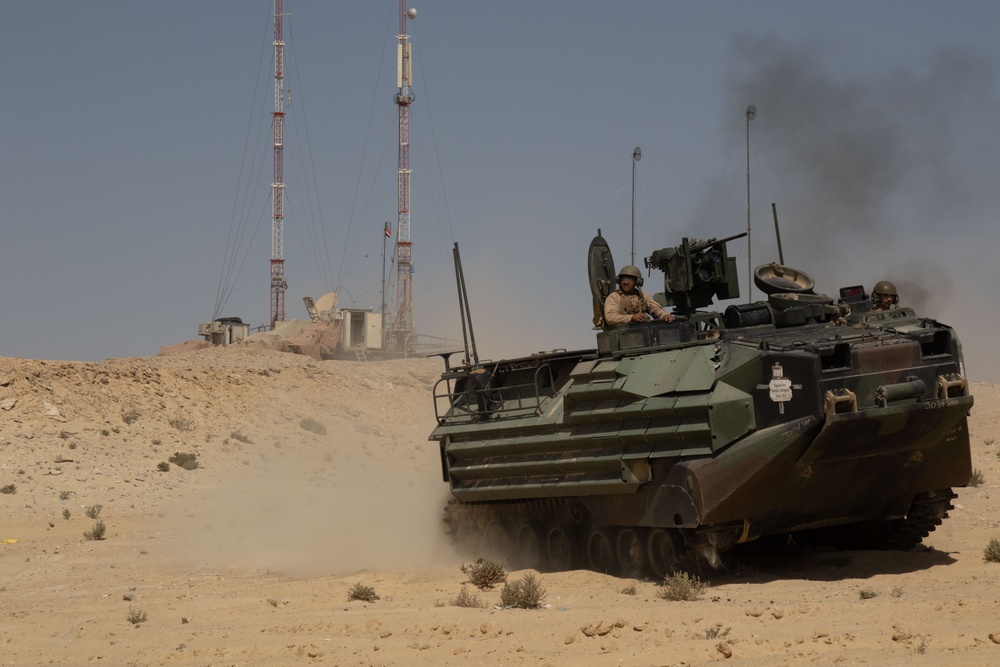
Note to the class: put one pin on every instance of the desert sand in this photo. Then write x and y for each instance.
(248, 558)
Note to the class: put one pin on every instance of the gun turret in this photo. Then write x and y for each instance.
(695, 273)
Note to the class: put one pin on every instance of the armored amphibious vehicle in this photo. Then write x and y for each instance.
(800, 414)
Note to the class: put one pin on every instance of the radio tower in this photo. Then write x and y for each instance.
(278, 284)
(401, 334)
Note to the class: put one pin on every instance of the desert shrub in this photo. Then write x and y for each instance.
(715, 632)
(66, 513)
(312, 426)
(130, 416)
(64, 495)
(989, 441)
(97, 532)
(867, 593)
(897, 592)
(991, 554)
(236, 435)
(361, 592)
(105, 432)
(977, 478)
(185, 460)
(273, 602)
(681, 586)
(467, 599)
(525, 593)
(163, 466)
(630, 590)
(135, 616)
(8, 489)
(181, 423)
(484, 574)
(65, 435)
(93, 511)
(156, 441)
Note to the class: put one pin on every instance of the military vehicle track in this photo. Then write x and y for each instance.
(558, 534)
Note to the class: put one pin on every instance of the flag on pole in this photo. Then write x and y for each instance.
(388, 230)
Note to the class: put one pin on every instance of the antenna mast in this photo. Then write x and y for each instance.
(401, 334)
(278, 284)
(751, 114)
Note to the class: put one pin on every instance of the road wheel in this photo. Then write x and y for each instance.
(529, 548)
(600, 553)
(497, 544)
(631, 552)
(661, 550)
(560, 549)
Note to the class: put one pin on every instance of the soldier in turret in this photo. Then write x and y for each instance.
(628, 303)
(885, 296)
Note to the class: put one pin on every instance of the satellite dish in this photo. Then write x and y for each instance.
(751, 112)
(327, 302)
(637, 154)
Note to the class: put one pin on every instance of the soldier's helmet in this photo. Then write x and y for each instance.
(884, 288)
(630, 271)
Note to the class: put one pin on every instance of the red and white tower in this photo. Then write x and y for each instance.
(401, 334)
(278, 283)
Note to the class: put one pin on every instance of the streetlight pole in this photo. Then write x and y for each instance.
(636, 156)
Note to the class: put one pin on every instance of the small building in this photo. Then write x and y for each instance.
(224, 331)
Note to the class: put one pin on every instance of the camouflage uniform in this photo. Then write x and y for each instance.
(620, 307)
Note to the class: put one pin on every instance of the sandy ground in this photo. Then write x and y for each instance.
(248, 559)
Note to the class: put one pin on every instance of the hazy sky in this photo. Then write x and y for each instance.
(135, 149)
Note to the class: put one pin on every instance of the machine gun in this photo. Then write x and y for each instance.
(695, 273)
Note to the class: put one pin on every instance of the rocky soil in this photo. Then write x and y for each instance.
(314, 477)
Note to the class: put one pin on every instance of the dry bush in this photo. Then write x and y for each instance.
(681, 586)
(361, 592)
(484, 574)
(185, 460)
(8, 489)
(236, 435)
(312, 426)
(715, 632)
(181, 423)
(135, 616)
(93, 511)
(163, 466)
(977, 478)
(525, 593)
(130, 416)
(630, 590)
(991, 554)
(467, 599)
(97, 532)
(66, 514)
(867, 593)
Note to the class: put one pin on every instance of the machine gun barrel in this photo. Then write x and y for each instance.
(701, 245)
